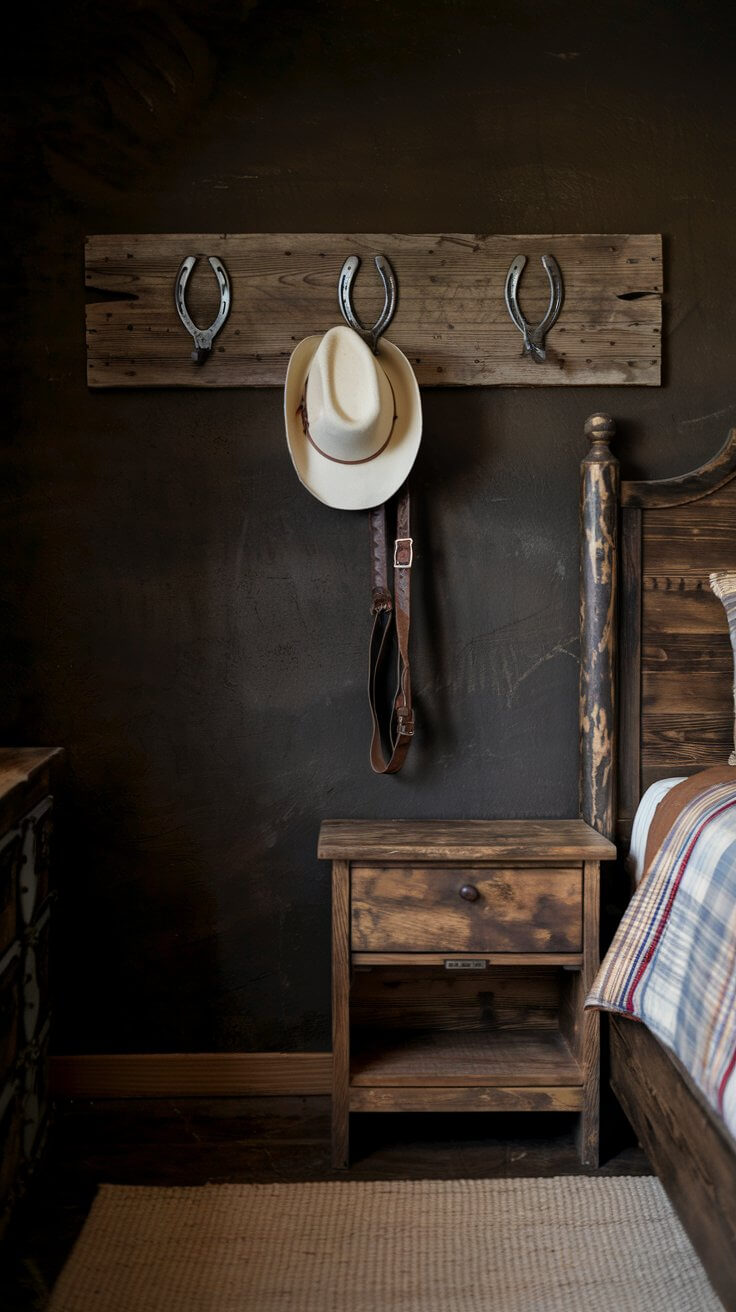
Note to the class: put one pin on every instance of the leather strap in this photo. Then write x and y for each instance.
(391, 613)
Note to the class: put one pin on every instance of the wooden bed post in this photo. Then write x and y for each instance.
(599, 499)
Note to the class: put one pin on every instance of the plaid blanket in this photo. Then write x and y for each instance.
(672, 963)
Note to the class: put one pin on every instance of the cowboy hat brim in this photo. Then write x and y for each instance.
(358, 486)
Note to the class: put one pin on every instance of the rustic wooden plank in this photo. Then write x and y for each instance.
(190, 1074)
(661, 768)
(599, 493)
(630, 665)
(572, 960)
(450, 1058)
(682, 545)
(688, 740)
(687, 1144)
(521, 841)
(689, 654)
(668, 693)
(478, 1099)
(340, 1012)
(700, 482)
(688, 529)
(26, 775)
(425, 908)
(451, 318)
(588, 1052)
(687, 708)
(673, 536)
(430, 998)
(672, 611)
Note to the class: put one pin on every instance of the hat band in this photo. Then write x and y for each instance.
(302, 410)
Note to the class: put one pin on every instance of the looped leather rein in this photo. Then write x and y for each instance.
(391, 613)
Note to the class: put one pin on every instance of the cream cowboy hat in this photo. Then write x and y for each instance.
(353, 419)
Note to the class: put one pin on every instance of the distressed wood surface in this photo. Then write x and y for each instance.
(686, 719)
(413, 998)
(405, 908)
(191, 1074)
(340, 1012)
(588, 1051)
(573, 960)
(697, 483)
(451, 319)
(408, 1026)
(598, 579)
(25, 777)
(445, 1058)
(629, 762)
(523, 841)
(677, 710)
(687, 1144)
(480, 1099)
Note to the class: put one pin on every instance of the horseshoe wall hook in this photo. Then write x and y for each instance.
(203, 337)
(534, 337)
(344, 297)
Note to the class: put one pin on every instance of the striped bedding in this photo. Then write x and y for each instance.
(672, 963)
(645, 811)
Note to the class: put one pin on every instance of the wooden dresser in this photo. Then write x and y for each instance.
(25, 908)
(462, 952)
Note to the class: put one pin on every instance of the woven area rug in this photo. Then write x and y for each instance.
(577, 1244)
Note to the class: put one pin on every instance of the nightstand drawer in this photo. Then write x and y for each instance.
(443, 909)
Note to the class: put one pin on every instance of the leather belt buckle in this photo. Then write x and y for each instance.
(403, 553)
(405, 721)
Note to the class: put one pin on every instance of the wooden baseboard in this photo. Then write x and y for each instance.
(191, 1074)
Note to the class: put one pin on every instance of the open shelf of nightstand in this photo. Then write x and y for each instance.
(520, 1057)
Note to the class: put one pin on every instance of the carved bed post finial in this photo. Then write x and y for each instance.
(599, 501)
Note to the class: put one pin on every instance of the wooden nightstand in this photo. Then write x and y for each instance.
(462, 952)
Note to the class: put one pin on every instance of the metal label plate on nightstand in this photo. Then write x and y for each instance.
(464, 963)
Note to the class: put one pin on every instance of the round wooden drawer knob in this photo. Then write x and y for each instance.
(469, 892)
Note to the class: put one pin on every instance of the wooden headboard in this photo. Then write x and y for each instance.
(656, 660)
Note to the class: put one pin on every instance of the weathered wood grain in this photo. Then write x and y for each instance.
(416, 998)
(588, 1051)
(630, 662)
(486, 841)
(25, 777)
(598, 628)
(690, 655)
(422, 908)
(701, 482)
(479, 1099)
(191, 1074)
(686, 719)
(462, 1059)
(669, 612)
(572, 960)
(340, 1012)
(668, 693)
(688, 1146)
(451, 318)
(430, 1039)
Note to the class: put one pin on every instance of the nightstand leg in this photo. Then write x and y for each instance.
(589, 1125)
(340, 1013)
(590, 1041)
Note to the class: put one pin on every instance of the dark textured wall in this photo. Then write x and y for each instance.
(176, 610)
